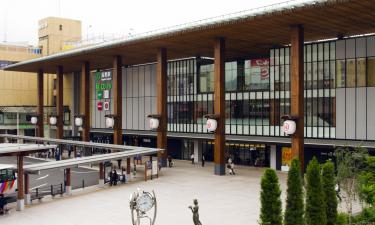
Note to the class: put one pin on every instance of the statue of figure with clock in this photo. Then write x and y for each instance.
(141, 202)
(194, 210)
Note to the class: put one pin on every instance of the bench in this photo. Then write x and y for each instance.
(36, 197)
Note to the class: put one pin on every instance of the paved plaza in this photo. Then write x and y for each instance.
(223, 200)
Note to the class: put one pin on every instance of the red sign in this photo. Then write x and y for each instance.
(100, 106)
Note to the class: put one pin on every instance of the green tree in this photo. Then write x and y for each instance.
(294, 200)
(315, 211)
(350, 162)
(367, 182)
(270, 211)
(330, 199)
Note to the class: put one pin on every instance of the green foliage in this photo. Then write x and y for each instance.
(330, 199)
(367, 182)
(294, 201)
(270, 212)
(342, 219)
(350, 162)
(315, 209)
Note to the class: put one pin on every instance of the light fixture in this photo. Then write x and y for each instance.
(154, 121)
(289, 124)
(34, 120)
(211, 123)
(53, 120)
(110, 121)
(78, 120)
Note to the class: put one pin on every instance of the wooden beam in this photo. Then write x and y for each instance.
(161, 95)
(219, 105)
(40, 112)
(117, 99)
(85, 101)
(59, 103)
(297, 91)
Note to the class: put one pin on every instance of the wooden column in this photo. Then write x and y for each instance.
(40, 112)
(85, 101)
(101, 171)
(219, 105)
(161, 98)
(297, 91)
(59, 103)
(117, 99)
(27, 183)
(20, 183)
(68, 177)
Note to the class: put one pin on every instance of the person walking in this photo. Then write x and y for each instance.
(192, 158)
(203, 160)
(115, 177)
(170, 163)
(232, 168)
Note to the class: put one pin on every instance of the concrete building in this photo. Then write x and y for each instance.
(305, 59)
(18, 90)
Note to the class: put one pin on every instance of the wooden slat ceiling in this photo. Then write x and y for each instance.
(244, 37)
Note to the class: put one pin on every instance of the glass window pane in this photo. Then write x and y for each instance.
(340, 70)
(361, 72)
(350, 73)
(371, 72)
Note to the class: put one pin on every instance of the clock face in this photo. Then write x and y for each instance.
(145, 202)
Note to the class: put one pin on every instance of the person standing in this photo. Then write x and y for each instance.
(203, 160)
(195, 210)
(192, 158)
(170, 163)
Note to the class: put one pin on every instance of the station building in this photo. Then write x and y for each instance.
(314, 60)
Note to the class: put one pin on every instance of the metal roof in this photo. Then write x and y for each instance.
(68, 163)
(77, 143)
(12, 148)
(248, 32)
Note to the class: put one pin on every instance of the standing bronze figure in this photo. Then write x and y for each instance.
(194, 210)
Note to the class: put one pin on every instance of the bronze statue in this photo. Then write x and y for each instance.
(194, 210)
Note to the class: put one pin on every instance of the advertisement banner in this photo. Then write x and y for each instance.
(286, 156)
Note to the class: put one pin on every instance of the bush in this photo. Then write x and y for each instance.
(270, 211)
(294, 201)
(315, 209)
(330, 199)
(342, 219)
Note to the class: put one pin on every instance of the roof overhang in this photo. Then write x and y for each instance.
(247, 33)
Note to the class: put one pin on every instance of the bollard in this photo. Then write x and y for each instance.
(83, 183)
(52, 191)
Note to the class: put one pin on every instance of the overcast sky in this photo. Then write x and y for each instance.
(19, 18)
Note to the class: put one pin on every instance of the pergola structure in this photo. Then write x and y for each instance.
(20, 151)
(234, 36)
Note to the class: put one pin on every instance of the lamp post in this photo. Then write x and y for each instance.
(34, 121)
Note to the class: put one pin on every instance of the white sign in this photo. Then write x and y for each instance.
(154, 167)
(106, 106)
(106, 94)
(289, 127)
(211, 125)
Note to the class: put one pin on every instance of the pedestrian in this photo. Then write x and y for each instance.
(232, 169)
(3, 203)
(170, 163)
(110, 178)
(337, 189)
(203, 160)
(192, 158)
(115, 177)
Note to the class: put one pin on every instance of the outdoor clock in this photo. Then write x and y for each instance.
(142, 203)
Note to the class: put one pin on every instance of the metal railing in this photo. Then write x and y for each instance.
(39, 193)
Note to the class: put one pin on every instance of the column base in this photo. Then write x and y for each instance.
(219, 169)
(20, 204)
(28, 199)
(68, 190)
(101, 183)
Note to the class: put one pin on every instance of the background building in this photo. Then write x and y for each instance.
(18, 90)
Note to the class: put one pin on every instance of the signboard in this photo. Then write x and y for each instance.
(154, 167)
(259, 74)
(106, 106)
(106, 94)
(100, 106)
(286, 158)
(103, 85)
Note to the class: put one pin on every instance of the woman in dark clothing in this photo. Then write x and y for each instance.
(194, 210)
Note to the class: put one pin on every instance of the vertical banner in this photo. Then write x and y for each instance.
(286, 158)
